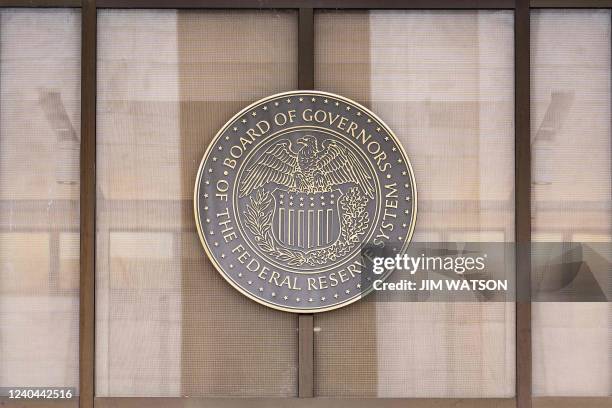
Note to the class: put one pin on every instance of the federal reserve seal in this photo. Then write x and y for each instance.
(292, 189)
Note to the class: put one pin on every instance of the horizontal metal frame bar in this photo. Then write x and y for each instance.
(323, 4)
(538, 402)
(131, 402)
(6, 402)
(154, 402)
(585, 4)
(317, 4)
(40, 3)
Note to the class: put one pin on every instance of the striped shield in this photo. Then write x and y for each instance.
(306, 221)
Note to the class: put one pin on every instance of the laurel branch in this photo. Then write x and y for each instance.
(258, 218)
(353, 223)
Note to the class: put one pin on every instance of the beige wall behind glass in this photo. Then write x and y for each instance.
(443, 82)
(39, 197)
(166, 323)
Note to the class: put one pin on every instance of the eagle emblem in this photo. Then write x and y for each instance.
(312, 169)
(309, 206)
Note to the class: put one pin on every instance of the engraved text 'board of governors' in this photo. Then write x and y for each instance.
(291, 190)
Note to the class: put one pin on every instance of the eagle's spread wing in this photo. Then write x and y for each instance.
(277, 165)
(339, 165)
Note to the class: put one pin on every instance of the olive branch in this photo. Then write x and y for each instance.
(353, 224)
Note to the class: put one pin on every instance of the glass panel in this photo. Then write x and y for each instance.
(570, 112)
(39, 197)
(443, 81)
(167, 324)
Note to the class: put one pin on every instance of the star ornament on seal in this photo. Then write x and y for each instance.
(292, 189)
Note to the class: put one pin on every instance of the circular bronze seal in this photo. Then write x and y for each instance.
(292, 189)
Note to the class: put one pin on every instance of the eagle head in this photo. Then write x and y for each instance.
(308, 140)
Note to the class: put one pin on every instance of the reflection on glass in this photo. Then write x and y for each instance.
(167, 324)
(570, 112)
(443, 81)
(39, 197)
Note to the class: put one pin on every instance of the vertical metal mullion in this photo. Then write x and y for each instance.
(306, 321)
(306, 48)
(88, 204)
(523, 203)
(305, 356)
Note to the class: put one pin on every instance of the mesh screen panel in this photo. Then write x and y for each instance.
(167, 324)
(570, 112)
(39, 197)
(443, 81)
